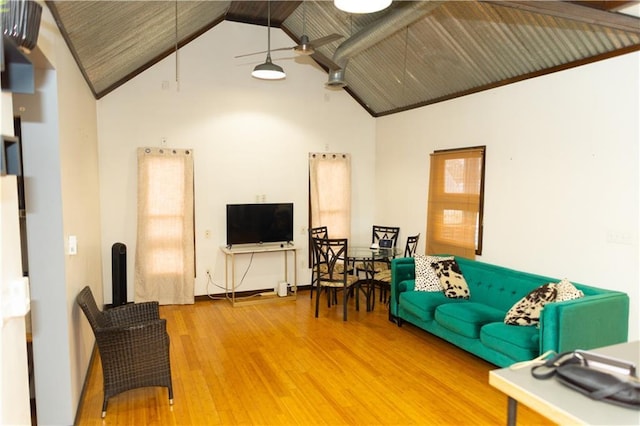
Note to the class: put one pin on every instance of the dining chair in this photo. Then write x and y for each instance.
(383, 278)
(332, 271)
(133, 344)
(385, 233)
(411, 246)
(317, 232)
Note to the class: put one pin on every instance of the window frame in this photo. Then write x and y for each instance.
(451, 198)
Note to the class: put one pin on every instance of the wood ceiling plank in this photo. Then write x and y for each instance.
(577, 12)
(255, 12)
(610, 5)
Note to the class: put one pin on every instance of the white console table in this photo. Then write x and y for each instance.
(230, 258)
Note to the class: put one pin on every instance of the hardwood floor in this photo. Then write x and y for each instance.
(273, 364)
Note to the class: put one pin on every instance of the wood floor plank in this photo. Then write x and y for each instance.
(275, 364)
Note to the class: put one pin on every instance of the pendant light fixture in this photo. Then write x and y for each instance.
(361, 6)
(268, 70)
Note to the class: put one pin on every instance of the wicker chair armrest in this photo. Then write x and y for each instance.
(134, 313)
(145, 337)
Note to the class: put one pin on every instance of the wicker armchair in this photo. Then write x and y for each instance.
(133, 345)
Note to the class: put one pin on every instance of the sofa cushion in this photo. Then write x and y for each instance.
(466, 318)
(567, 291)
(451, 279)
(426, 277)
(519, 343)
(527, 310)
(422, 304)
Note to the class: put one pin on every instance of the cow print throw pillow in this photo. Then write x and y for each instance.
(451, 279)
(527, 310)
(426, 278)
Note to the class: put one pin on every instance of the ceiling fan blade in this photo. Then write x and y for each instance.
(264, 51)
(250, 54)
(325, 61)
(324, 40)
(283, 48)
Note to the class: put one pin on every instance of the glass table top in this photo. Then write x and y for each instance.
(365, 252)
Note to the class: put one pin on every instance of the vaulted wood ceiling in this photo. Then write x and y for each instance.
(409, 55)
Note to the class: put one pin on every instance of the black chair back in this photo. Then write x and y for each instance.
(331, 257)
(87, 303)
(412, 245)
(385, 233)
(319, 232)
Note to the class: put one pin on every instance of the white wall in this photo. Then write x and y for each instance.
(61, 186)
(249, 137)
(562, 172)
(14, 379)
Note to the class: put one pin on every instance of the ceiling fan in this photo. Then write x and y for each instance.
(306, 46)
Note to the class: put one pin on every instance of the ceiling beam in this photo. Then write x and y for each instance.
(610, 5)
(255, 12)
(577, 12)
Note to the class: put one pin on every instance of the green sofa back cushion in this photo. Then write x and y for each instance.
(502, 287)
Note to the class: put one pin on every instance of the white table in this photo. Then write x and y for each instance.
(230, 258)
(561, 404)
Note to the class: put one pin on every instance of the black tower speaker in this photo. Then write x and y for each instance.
(119, 274)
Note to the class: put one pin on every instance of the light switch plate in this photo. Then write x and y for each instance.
(73, 245)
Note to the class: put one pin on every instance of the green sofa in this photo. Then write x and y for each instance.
(476, 325)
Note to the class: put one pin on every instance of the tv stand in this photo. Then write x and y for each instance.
(230, 287)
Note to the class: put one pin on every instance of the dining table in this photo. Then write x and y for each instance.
(365, 256)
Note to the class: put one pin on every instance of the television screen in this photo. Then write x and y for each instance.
(259, 223)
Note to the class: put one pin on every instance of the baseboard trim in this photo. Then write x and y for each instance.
(92, 360)
(249, 293)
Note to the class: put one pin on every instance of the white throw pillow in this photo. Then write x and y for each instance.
(426, 277)
(567, 291)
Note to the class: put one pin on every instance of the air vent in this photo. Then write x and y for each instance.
(21, 23)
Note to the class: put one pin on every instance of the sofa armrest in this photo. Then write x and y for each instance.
(586, 323)
(402, 269)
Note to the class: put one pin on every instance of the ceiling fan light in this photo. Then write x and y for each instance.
(362, 6)
(268, 71)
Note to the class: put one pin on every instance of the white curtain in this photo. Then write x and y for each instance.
(330, 192)
(164, 263)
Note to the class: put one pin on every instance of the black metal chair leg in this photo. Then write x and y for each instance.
(318, 294)
(344, 304)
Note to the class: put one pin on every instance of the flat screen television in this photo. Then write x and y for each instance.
(259, 223)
